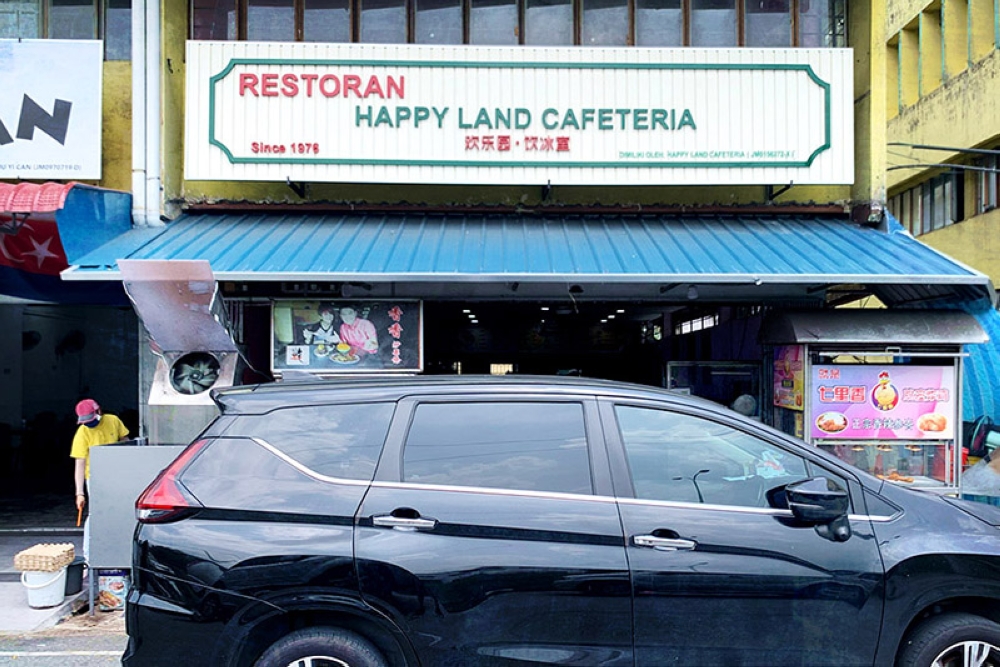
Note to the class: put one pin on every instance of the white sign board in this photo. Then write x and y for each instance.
(50, 109)
(415, 114)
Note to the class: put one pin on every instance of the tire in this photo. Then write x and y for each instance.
(952, 640)
(321, 647)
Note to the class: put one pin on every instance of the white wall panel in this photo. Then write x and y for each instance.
(764, 116)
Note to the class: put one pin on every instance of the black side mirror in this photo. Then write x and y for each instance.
(822, 503)
(817, 500)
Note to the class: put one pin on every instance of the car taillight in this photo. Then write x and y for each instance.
(166, 499)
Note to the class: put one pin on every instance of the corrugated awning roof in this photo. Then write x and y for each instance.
(752, 256)
(33, 197)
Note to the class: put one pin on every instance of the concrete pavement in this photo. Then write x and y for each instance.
(16, 615)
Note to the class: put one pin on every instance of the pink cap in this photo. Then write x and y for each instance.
(86, 410)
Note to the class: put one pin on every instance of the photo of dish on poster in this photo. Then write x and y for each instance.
(861, 402)
(346, 336)
(789, 377)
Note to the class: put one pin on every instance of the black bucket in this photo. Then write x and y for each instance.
(74, 576)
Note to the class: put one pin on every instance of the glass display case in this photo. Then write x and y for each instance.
(897, 421)
(924, 464)
(878, 388)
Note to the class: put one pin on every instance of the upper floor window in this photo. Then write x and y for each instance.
(987, 182)
(653, 23)
(110, 20)
(932, 205)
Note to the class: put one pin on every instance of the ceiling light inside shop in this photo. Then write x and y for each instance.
(545, 307)
(620, 311)
(466, 311)
(474, 321)
(611, 317)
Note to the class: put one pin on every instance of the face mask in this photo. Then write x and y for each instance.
(93, 423)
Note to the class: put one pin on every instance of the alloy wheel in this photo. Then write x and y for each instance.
(318, 661)
(969, 654)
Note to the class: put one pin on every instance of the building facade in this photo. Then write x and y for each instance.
(617, 189)
(943, 127)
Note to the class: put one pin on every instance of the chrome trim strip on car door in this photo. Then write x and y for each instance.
(303, 469)
(488, 491)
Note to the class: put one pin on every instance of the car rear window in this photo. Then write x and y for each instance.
(342, 440)
(535, 446)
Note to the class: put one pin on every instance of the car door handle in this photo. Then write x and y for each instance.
(664, 543)
(404, 523)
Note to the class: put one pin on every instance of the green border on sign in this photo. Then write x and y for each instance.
(509, 65)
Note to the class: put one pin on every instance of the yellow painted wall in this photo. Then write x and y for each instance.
(900, 13)
(963, 112)
(955, 33)
(981, 29)
(866, 27)
(174, 32)
(930, 50)
(973, 242)
(471, 195)
(116, 127)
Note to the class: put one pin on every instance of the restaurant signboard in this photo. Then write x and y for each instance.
(883, 402)
(420, 114)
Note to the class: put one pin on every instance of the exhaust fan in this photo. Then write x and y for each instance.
(180, 306)
(185, 378)
(194, 373)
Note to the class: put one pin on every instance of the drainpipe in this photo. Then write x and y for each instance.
(146, 195)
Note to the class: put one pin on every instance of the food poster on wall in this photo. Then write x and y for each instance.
(789, 378)
(883, 402)
(347, 336)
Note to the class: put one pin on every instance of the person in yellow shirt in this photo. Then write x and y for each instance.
(94, 429)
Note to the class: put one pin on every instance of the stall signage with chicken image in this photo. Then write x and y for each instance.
(347, 336)
(855, 402)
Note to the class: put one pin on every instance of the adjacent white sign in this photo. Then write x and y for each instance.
(414, 114)
(50, 109)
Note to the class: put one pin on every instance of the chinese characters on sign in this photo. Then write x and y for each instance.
(328, 337)
(502, 142)
(883, 402)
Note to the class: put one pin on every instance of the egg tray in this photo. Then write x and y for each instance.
(45, 557)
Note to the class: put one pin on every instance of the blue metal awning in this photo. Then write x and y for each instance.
(639, 256)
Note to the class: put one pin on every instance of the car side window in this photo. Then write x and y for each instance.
(684, 458)
(532, 446)
(335, 440)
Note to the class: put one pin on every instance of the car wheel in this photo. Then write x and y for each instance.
(952, 640)
(321, 647)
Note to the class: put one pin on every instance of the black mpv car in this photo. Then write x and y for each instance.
(498, 522)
